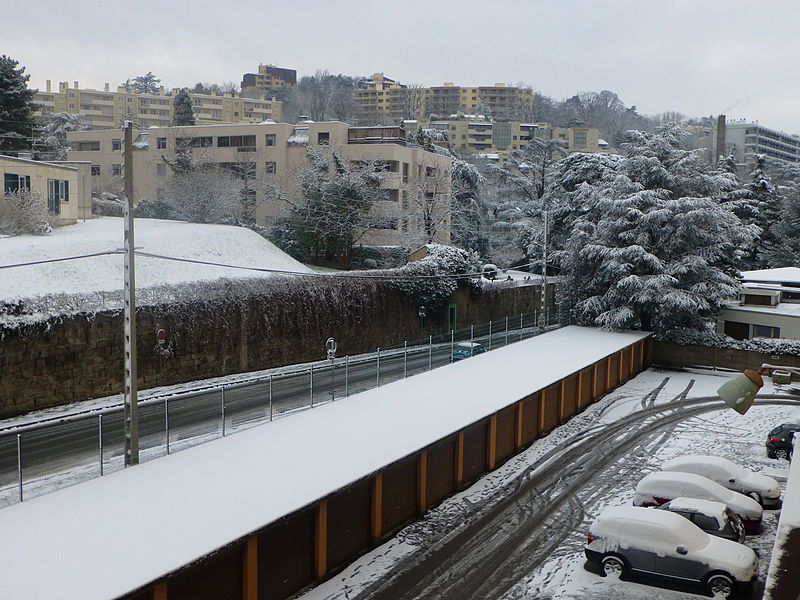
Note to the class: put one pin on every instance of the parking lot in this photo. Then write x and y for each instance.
(520, 531)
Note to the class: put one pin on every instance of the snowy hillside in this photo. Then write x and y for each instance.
(214, 243)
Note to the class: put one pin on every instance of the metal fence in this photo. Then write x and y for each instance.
(43, 456)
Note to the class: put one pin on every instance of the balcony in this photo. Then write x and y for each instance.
(376, 135)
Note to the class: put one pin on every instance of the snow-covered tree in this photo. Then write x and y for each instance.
(768, 204)
(52, 141)
(23, 211)
(16, 107)
(143, 84)
(204, 195)
(446, 262)
(647, 242)
(786, 251)
(183, 113)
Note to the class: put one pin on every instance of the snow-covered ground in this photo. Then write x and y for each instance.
(564, 575)
(212, 243)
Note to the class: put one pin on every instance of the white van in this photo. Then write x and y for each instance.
(657, 542)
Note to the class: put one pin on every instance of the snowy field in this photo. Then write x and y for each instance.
(564, 575)
(213, 243)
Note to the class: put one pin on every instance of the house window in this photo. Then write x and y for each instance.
(57, 192)
(161, 143)
(95, 169)
(223, 141)
(323, 138)
(766, 331)
(116, 169)
(88, 146)
(271, 167)
(405, 172)
(161, 169)
(13, 182)
(270, 139)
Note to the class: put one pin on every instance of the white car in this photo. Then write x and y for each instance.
(658, 542)
(662, 486)
(764, 490)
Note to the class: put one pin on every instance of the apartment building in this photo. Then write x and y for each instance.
(380, 98)
(268, 77)
(106, 109)
(274, 153)
(65, 184)
(476, 134)
(743, 139)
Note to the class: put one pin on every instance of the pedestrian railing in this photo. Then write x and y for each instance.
(39, 457)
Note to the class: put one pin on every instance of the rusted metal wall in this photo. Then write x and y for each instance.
(313, 543)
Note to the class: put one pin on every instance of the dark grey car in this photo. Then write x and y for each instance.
(712, 517)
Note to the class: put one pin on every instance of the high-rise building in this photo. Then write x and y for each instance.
(744, 139)
(106, 109)
(268, 78)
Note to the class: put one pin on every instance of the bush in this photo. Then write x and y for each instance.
(692, 337)
(25, 212)
(107, 207)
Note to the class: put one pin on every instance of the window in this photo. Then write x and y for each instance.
(116, 169)
(95, 169)
(116, 145)
(429, 171)
(223, 141)
(271, 167)
(161, 143)
(705, 522)
(13, 182)
(405, 200)
(88, 146)
(580, 139)
(405, 172)
(323, 138)
(161, 169)
(270, 139)
(57, 192)
(766, 331)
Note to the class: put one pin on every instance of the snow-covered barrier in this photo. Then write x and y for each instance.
(271, 510)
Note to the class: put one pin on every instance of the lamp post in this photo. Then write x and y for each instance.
(739, 392)
(131, 418)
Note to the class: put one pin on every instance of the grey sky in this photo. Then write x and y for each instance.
(698, 57)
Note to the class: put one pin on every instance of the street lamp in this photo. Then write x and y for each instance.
(739, 392)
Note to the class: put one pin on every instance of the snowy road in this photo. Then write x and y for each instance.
(519, 532)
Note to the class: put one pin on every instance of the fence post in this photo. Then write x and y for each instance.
(471, 335)
(506, 331)
(452, 345)
(520, 325)
(333, 379)
(378, 369)
(311, 386)
(490, 334)
(270, 396)
(19, 464)
(430, 352)
(223, 409)
(405, 359)
(166, 419)
(346, 375)
(100, 440)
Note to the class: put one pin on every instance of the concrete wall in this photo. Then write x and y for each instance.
(73, 358)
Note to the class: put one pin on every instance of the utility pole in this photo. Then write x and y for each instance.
(543, 302)
(131, 424)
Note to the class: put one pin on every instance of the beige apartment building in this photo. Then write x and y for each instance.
(65, 184)
(106, 109)
(476, 134)
(268, 78)
(274, 152)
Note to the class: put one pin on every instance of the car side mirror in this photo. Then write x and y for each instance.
(682, 550)
(731, 481)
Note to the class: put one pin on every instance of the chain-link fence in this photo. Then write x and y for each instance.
(43, 456)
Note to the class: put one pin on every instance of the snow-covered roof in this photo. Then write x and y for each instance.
(166, 512)
(784, 309)
(780, 275)
(30, 161)
(625, 522)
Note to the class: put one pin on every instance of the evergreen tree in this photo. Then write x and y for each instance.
(786, 251)
(769, 205)
(16, 107)
(143, 84)
(52, 141)
(183, 111)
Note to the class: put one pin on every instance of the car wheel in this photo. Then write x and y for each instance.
(720, 586)
(781, 454)
(613, 567)
(755, 496)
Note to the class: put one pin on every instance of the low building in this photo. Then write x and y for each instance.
(273, 154)
(769, 306)
(106, 109)
(65, 184)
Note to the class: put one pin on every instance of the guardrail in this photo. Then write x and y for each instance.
(39, 457)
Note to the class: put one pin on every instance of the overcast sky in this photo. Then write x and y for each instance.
(698, 57)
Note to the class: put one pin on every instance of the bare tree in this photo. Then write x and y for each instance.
(23, 211)
(412, 101)
(431, 199)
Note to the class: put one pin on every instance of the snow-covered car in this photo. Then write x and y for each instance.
(712, 517)
(764, 490)
(662, 486)
(657, 542)
(466, 350)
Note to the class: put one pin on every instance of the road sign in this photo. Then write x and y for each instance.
(330, 346)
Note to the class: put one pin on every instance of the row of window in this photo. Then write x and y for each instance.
(57, 189)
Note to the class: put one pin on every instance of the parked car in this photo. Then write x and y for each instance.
(662, 486)
(657, 542)
(779, 440)
(764, 490)
(713, 517)
(466, 350)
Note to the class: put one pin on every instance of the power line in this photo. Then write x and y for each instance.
(54, 260)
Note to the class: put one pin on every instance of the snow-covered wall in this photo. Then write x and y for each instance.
(216, 330)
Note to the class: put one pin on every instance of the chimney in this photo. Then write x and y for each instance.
(76, 85)
(720, 137)
(47, 85)
(62, 87)
(106, 88)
